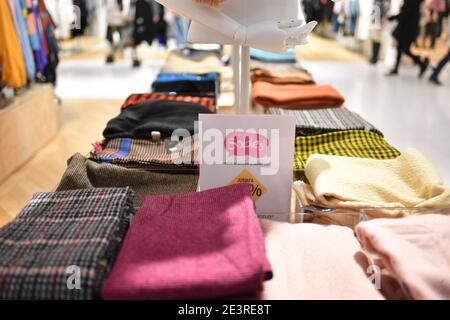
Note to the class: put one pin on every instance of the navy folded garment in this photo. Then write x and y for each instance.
(139, 121)
(187, 82)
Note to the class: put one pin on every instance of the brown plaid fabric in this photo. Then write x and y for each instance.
(59, 235)
(82, 173)
(141, 153)
(138, 98)
(351, 143)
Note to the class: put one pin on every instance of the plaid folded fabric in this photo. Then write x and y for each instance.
(351, 143)
(123, 151)
(138, 98)
(59, 236)
(314, 122)
(82, 173)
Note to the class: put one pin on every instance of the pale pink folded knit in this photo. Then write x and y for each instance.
(206, 245)
(414, 250)
(316, 262)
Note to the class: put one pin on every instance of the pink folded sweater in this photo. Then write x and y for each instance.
(414, 250)
(206, 245)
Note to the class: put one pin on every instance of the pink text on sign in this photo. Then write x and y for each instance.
(247, 144)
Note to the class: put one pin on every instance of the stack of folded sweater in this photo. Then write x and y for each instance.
(198, 63)
(279, 83)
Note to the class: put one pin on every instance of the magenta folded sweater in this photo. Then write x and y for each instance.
(206, 245)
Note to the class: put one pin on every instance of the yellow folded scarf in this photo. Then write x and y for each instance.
(410, 181)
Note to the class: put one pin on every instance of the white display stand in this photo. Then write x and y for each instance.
(263, 24)
(241, 77)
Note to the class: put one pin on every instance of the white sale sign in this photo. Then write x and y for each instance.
(258, 150)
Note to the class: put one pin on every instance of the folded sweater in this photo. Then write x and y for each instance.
(139, 98)
(206, 245)
(82, 173)
(410, 181)
(308, 263)
(414, 250)
(139, 121)
(296, 96)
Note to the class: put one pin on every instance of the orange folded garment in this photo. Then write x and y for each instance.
(296, 96)
(293, 76)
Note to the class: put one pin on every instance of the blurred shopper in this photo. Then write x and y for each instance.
(381, 9)
(116, 18)
(406, 33)
(434, 10)
(161, 25)
(144, 27)
(435, 76)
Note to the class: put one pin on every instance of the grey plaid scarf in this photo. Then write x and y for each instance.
(63, 244)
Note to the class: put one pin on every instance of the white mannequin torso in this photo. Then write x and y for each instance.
(247, 12)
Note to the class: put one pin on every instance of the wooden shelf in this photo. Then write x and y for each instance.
(26, 125)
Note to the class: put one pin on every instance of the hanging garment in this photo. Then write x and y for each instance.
(144, 27)
(160, 155)
(139, 98)
(55, 234)
(413, 250)
(35, 31)
(296, 96)
(350, 143)
(409, 181)
(82, 173)
(315, 122)
(186, 82)
(65, 16)
(138, 122)
(11, 58)
(48, 27)
(206, 245)
(21, 28)
(309, 265)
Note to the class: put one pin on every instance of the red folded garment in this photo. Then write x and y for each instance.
(206, 245)
(296, 96)
(139, 98)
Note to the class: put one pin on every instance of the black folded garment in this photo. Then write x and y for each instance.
(139, 121)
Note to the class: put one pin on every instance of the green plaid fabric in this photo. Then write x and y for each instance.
(349, 143)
